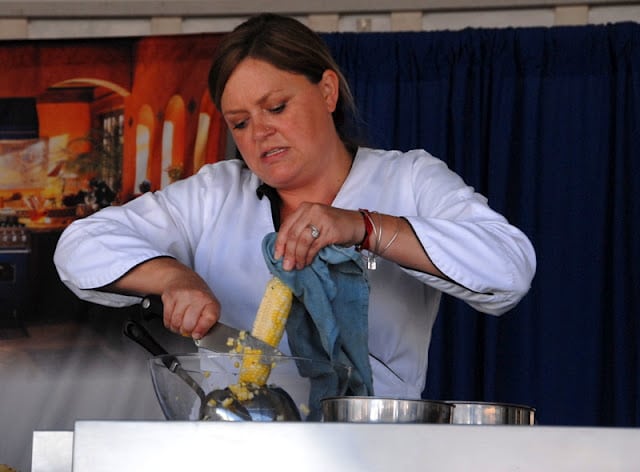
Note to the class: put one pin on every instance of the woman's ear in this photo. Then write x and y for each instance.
(330, 88)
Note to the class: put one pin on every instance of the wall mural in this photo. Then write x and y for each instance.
(85, 123)
(23, 163)
(95, 122)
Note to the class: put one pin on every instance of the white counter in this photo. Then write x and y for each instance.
(158, 446)
(52, 451)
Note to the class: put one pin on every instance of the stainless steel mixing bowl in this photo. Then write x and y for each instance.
(385, 410)
(486, 413)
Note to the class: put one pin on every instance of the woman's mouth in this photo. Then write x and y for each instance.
(273, 152)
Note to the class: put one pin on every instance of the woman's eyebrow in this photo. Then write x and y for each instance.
(261, 101)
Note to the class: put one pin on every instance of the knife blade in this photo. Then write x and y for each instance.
(220, 338)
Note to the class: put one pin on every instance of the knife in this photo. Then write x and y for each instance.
(220, 338)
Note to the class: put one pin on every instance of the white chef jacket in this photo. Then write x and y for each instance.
(214, 222)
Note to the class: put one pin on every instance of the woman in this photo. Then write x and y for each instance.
(197, 243)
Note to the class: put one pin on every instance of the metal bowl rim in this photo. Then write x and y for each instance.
(373, 397)
(199, 355)
(482, 403)
(239, 355)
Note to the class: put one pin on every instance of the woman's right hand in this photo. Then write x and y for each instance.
(190, 310)
(190, 307)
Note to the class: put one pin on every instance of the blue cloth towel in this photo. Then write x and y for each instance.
(328, 319)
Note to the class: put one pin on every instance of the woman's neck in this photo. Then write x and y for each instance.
(322, 190)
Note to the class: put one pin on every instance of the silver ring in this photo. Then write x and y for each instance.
(315, 232)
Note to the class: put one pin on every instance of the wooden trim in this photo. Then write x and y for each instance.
(226, 8)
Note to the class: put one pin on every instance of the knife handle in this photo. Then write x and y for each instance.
(152, 307)
(135, 331)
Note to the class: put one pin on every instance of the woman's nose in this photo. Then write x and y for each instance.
(261, 129)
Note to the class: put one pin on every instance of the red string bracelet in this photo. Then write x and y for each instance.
(368, 229)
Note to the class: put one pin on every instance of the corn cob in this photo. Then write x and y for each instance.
(269, 327)
(273, 312)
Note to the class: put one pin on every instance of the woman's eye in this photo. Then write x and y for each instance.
(240, 125)
(278, 109)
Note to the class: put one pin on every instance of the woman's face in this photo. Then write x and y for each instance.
(281, 122)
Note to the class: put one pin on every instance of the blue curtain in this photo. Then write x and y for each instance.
(546, 123)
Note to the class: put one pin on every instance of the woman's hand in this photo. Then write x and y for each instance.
(190, 308)
(313, 226)
(391, 236)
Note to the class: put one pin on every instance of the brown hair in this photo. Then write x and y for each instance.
(288, 45)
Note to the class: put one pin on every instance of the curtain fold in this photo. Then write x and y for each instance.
(545, 123)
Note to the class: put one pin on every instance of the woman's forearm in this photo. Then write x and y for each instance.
(154, 277)
(395, 240)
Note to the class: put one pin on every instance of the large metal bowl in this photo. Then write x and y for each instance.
(208, 371)
(486, 413)
(385, 410)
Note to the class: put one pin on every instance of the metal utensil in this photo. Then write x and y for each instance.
(271, 403)
(222, 405)
(220, 338)
(216, 405)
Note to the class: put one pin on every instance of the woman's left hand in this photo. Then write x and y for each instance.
(313, 226)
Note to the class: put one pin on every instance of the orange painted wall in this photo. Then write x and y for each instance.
(77, 122)
(30, 67)
(165, 66)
